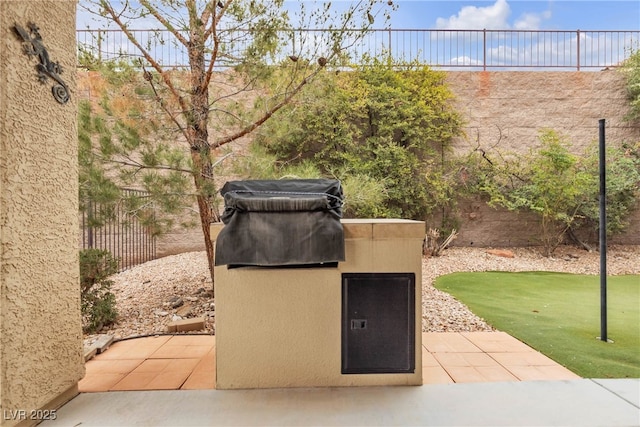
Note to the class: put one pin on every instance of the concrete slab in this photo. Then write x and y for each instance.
(550, 403)
(627, 389)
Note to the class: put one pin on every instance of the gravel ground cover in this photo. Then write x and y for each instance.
(151, 295)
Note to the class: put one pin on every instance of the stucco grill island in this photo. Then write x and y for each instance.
(305, 298)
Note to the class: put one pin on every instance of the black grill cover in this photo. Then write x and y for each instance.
(281, 222)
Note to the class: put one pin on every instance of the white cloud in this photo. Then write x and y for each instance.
(493, 17)
(472, 17)
(531, 21)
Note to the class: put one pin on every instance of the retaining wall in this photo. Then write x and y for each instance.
(505, 111)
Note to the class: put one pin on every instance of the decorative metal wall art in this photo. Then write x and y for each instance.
(32, 46)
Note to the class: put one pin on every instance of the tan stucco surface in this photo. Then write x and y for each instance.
(282, 327)
(40, 329)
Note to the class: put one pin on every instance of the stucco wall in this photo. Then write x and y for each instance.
(40, 330)
(505, 112)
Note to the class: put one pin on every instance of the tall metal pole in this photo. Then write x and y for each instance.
(603, 234)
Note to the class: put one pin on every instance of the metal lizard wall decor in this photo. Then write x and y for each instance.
(32, 46)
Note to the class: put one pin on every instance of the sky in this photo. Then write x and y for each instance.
(504, 14)
(556, 49)
(518, 14)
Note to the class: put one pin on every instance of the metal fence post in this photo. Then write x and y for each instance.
(484, 49)
(578, 50)
(100, 45)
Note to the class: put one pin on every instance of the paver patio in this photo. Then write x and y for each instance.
(187, 362)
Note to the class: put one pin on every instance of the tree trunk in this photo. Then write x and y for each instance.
(198, 135)
(206, 218)
(203, 180)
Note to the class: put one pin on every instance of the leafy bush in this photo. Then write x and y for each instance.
(98, 302)
(623, 188)
(385, 125)
(563, 188)
(631, 69)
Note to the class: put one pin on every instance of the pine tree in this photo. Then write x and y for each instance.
(246, 36)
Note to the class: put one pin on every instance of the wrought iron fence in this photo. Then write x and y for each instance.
(122, 234)
(443, 49)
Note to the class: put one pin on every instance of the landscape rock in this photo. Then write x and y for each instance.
(176, 302)
(182, 275)
(184, 311)
(504, 253)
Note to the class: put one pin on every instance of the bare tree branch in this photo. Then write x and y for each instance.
(137, 165)
(163, 105)
(248, 129)
(165, 22)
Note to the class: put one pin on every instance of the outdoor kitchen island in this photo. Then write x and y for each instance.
(352, 323)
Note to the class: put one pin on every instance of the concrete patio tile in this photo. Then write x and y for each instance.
(168, 381)
(495, 373)
(139, 348)
(134, 381)
(471, 374)
(182, 365)
(522, 358)
(428, 360)
(153, 365)
(97, 382)
(203, 375)
(464, 359)
(167, 365)
(447, 342)
(188, 362)
(207, 340)
(168, 351)
(112, 366)
(158, 374)
(435, 375)
(546, 373)
(496, 342)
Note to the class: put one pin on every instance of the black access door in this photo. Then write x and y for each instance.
(378, 323)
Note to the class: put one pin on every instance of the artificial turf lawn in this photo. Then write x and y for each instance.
(559, 315)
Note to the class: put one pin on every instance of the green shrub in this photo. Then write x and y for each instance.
(98, 302)
(631, 70)
(386, 125)
(623, 188)
(562, 188)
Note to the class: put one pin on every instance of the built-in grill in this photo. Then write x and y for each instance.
(291, 222)
(356, 323)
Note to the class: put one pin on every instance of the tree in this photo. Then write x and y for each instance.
(382, 130)
(247, 36)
